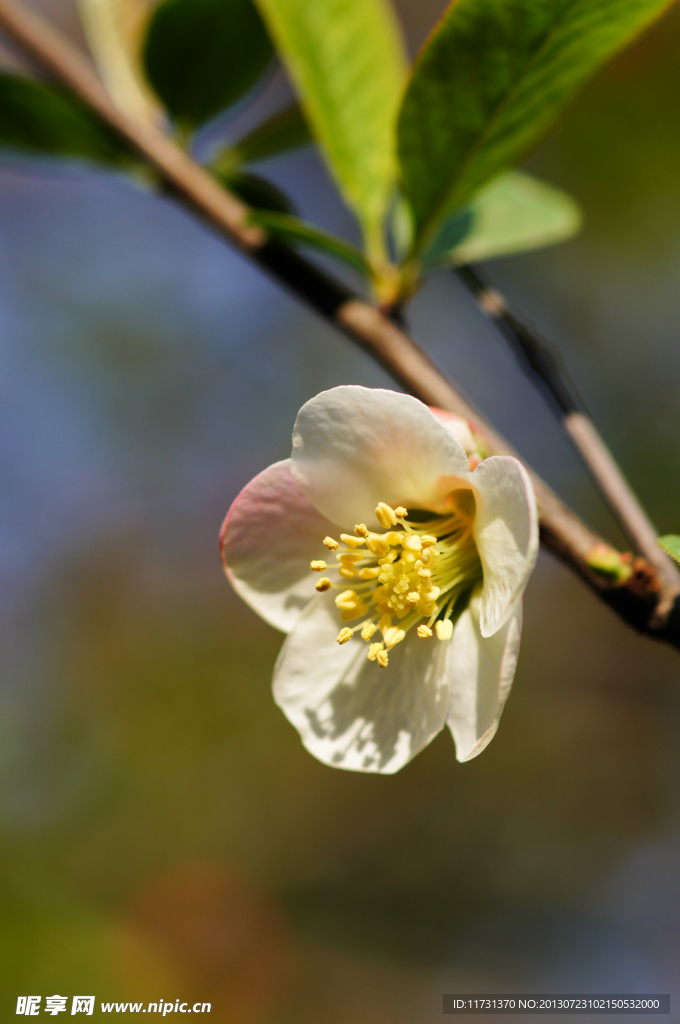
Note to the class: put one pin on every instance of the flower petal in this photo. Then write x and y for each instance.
(267, 541)
(354, 447)
(506, 532)
(482, 670)
(350, 712)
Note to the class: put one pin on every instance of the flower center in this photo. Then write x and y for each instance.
(417, 573)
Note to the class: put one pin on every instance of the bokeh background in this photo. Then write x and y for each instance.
(163, 832)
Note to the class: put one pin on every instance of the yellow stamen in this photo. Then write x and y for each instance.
(385, 515)
(444, 628)
(351, 556)
(401, 512)
(354, 613)
(318, 565)
(384, 623)
(393, 636)
(412, 576)
(323, 584)
(377, 545)
(331, 544)
(350, 541)
(344, 635)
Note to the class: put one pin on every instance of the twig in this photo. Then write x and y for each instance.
(542, 363)
(645, 600)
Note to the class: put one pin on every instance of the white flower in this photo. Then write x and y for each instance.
(427, 562)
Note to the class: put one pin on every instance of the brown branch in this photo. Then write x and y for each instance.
(645, 601)
(542, 363)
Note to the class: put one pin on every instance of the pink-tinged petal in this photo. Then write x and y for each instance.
(482, 670)
(354, 447)
(459, 427)
(506, 532)
(271, 534)
(351, 713)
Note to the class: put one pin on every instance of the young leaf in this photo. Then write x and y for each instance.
(513, 213)
(671, 545)
(295, 231)
(203, 55)
(491, 81)
(114, 30)
(283, 132)
(41, 120)
(346, 59)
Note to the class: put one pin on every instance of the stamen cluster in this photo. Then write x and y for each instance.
(411, 572)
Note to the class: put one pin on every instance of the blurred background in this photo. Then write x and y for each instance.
(163, 832)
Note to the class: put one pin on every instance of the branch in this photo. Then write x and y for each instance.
(542, 363)
(645, 600)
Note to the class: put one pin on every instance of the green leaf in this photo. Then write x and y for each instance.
(491, 81)
(115, 30)
(203, 55)
(513, 213)
(283, 132)
(45, 121)
(256, 192)
(294, 231)
(346, 60)
(671, 545)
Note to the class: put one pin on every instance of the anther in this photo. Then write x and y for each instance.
(401, 512)
(426, 574)
(384, 623)
(382, 659)
(444, 629)
(369, 574)
(344, 635)
(377, 545)
(350, 541)
(323, 585)
(373, 651)
(412, 542)
(393, 636)
(347, 572)
(361, 530)
(426, 540)
(331, 544)
(318, 565)
(424, 632)
(413, 597)
(385, 515)
(367, 630)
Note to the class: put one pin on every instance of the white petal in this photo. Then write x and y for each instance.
(350, 712)
(459, 427)
(506, 532)
(268, 539)
(354, 447)
(482, 670)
